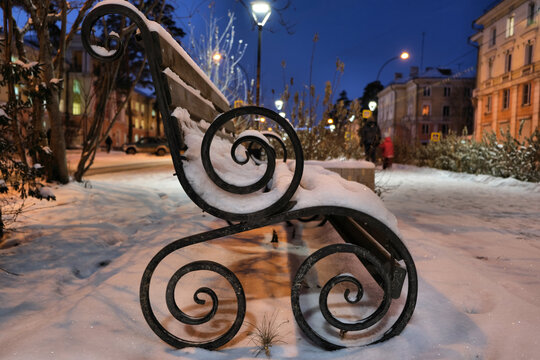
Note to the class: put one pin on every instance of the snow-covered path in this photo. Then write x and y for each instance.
(475, 241)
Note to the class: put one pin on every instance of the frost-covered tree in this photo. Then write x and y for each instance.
(20, 148)
(217, 51)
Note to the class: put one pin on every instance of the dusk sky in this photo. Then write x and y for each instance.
(363, 34)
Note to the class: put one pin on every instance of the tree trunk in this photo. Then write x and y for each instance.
(58, 142)
(1, 224)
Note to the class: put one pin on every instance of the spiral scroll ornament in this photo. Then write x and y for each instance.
(357, 289)
(180, 315)
(114, 44)
(261, 183)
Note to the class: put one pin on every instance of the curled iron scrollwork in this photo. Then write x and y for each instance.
(180, 315)
(114, 44)
(259, 184)
(357, 289)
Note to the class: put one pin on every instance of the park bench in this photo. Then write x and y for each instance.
(223, 176)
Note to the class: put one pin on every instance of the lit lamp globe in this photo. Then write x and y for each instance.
(372, 105)
(279, 104)
(404, 55)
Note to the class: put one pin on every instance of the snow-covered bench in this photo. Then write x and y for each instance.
(377, 278)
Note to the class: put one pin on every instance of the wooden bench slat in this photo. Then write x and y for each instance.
(170, 58)
(183, 97)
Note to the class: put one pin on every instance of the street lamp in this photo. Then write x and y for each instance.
(261, 12)
(279, 104)
(217, 57)
(403, 56)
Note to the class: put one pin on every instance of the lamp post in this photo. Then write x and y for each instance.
(261, 12)
(403, 56)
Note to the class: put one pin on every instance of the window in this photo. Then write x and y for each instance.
(76, 61)
(493, 39)
(426, 110)
(427, 90)
(76, 108)
(530, 13)
(506, 99)
(490, 67)
(528, 54)
(508, 62)
(425, 128)
(446, 110)
(510, 26)
(444, 128)
(467, 92)
(447, 91)
(153, 113)
(142, 109)
(526, 96)
(488, 104)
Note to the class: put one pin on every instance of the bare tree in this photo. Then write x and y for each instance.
(218, 54)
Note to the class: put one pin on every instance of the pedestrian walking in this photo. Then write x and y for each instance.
(387, 152)
(108, 142)
(371, 137)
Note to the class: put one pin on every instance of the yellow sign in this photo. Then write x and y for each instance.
(366, 114)
(436, 136)
(238, 103)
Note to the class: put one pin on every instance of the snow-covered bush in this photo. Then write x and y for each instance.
(503, 157)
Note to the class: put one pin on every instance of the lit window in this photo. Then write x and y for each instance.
(426, 110)
(76, 86)
(510, 26)
(506, 99)
(153, 113)
(76, 107)
(142, 109)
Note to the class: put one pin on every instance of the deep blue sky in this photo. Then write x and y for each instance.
(361, 33)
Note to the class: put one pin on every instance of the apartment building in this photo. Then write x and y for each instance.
(435, 101)
(507, 95)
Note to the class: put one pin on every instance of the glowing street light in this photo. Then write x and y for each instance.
(282, 114)
(279, 104)
(261, 12)
(403, 56)
(330, 121)
(372, 105)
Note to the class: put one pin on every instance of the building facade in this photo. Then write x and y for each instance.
(436, 101)
(507, 95)
(137, 119)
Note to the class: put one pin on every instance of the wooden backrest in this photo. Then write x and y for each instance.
(188, 86)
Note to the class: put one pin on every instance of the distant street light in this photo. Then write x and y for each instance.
(403, 56)
(217, 57)
(372, 105)
(279, 104)
(261, 12)
(330, 121)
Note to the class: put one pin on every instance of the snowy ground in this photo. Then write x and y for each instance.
(475, 241)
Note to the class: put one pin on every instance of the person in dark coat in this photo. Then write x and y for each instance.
(371, 137)
(108, 142)
(387, 152)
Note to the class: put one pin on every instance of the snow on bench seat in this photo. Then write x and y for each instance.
(318, 187)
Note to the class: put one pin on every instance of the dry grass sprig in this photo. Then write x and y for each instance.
(267, 334)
